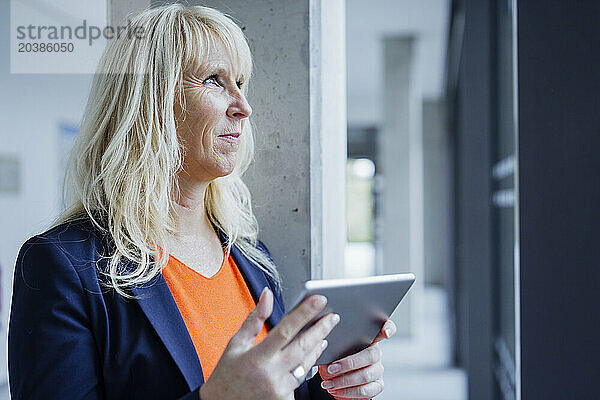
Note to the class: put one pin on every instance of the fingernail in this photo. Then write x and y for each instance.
(264, 293)
(333, 368)
(319, 301)
(388, 331)
(326, 384)
(324, 344)
(335, 318)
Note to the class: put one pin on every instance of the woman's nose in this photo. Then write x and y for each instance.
(239, 108)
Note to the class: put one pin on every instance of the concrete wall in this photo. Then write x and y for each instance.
(297, 178)
(279, 94)
(120, 10)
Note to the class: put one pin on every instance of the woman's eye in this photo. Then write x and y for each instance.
(212, 79)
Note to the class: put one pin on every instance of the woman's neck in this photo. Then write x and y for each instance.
(189, 211)
(194, 242)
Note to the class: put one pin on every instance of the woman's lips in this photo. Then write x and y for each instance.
(233, 137)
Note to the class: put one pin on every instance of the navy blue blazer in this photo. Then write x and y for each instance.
(71, 338)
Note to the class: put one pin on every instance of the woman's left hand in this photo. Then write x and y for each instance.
(360, 375)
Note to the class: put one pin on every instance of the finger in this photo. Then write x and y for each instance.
(292, 323)
(370, 355)
(316, 353)
(301, 348)
(355, 378)
(323, 371)
(307, 362)
(387, 331)
(245, 336)
(365, 391)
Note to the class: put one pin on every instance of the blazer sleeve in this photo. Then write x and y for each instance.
(51, 350)
(311, 388)
(52, 353)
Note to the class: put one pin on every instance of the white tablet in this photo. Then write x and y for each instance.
(364, 304)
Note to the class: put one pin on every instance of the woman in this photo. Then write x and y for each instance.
(153, 283)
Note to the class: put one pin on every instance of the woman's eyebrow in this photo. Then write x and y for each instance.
(217, 70)
(221, 71)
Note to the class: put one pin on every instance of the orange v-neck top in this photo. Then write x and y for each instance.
(213, 309)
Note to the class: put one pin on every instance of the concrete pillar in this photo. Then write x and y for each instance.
(400, 164)
(437, 190)
(299, 119)
(119, 10)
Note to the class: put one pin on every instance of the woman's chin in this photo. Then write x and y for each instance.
(225, 173)
(207, 173)
(224, 170)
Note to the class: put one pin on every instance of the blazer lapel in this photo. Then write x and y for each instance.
(157, 302)
(256, 282)
(255, 279)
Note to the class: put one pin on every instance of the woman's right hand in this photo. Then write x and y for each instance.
(246, 371)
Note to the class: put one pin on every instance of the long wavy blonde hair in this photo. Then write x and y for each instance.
(122, 172)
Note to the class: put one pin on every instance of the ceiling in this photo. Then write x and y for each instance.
(366, 25)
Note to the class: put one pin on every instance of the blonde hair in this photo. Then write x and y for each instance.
(122, 172)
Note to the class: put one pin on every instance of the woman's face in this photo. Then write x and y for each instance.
(211, 125)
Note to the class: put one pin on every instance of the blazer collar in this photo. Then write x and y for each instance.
(255, 279)
(157, 303)
(256, 282)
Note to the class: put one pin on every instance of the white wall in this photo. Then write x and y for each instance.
(331, 132)
(32, 106)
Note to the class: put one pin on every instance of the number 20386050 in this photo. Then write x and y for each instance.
(46, 47)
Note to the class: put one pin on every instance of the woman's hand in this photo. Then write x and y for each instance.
(264, 371)
(360, 375)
